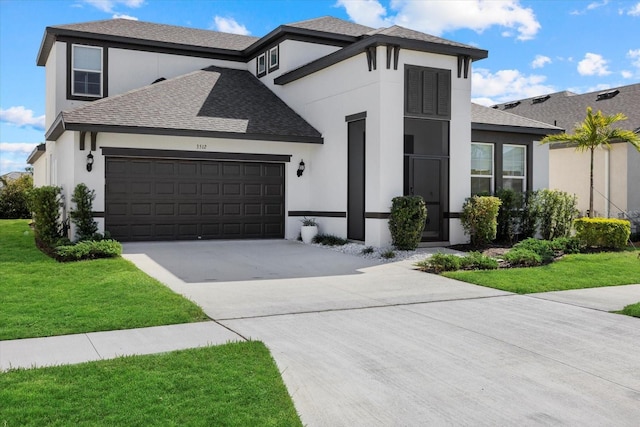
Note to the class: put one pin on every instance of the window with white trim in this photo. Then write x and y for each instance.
(482, 168)
(273, 58)
(261, 64)
(514, 167)
(86, 73)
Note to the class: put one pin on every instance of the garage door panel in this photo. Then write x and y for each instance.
(162, 199)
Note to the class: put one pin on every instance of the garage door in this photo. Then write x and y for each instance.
(167, 199)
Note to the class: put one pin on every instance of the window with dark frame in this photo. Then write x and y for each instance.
(482, 166)
(510, 160)
(261, 65)
(86, 73)
(274, 59)
(514, 167)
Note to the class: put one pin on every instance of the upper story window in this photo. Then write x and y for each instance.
(273, 58)
(481, 169)
(261, 65)
(427, 92)
(86, 73)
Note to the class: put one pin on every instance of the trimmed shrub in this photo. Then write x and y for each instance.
(508, 215)
(329, 240)
(89, 249)
(14, 197)
(479, 219)
(45, 203)
(566, 245)
(477, 261)
(440, 262)
(557, 210)
(407, 220)
(529, 215)
(82, 215)
(541, 247)
(603, 232)
(522, 257)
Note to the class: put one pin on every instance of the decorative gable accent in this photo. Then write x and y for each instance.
(428, 92)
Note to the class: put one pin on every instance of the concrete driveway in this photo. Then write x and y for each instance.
(384, 345)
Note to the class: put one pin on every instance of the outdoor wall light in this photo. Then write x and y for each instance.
(89, 161)
(300, 168)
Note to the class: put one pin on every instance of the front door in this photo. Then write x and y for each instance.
(426, 177)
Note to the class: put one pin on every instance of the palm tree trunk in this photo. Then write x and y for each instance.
(591, 186)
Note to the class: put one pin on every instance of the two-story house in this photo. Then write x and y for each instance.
(196, 134)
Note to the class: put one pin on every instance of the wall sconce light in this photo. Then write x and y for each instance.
(300, 168)
(89, 161)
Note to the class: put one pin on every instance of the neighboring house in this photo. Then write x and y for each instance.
(196, 134)
(616, 171)
(10, 176)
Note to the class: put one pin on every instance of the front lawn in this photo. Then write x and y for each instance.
(572, 272)
(236, 384)
(632, 310)
(42, 297)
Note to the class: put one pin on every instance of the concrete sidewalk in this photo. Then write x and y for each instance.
(70, 349)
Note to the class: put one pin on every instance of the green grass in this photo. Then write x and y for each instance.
(632, 310)
(41, 297)
(577, 271)
(237, 384)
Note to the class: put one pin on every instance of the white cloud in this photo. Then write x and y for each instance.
(366, 12)
(229, 25)
(591, 6)
(437, 17)
(18, 147)
(506, 85)
(108, 5)
(540, 61)
(626, 74)
(634, 10)
(123, 16)
(634, 55)
(21, 117)
(593, 65)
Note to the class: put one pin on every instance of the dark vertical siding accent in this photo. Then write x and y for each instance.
(429, 92)
(412, 93)
(356, 180)
(444, 93)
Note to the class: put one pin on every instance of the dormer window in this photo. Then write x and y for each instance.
(261, 65)
(86, 73)
(607, 95)
(273, 58)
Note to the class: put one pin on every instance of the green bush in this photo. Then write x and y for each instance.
(523, 257)
(368, 250)
(529, 215)
(566, 245)
(45, 203)
(543, 248)
(508, 215)
(407, 220)
(82, 215)
(89, 249)
(557, 210)
(14, 197)
(440, 262)
(603, 232)
(477, 261)
(329, 240)
(388, 254)
(479, 219)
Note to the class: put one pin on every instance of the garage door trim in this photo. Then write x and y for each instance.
(194, 155)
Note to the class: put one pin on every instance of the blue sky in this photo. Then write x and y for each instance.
(535, 47)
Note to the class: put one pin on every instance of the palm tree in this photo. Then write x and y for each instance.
(595, 131)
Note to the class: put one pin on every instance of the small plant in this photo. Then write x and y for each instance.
(440, 262)
(329, 240)
(566, 245)
(407, 220)
(522, 257)
(477, 261)
(389, 254)
(45, 203)
(479, 219)
(603, 232)
(82, 215)
(308, 222)
(89, 249)
(508, 215)
(557, 211)
(543, 248)
(367, 251)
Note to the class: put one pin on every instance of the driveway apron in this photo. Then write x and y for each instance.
(383, 344)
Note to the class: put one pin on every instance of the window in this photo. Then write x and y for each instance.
(261, 65)
(427, 92)
(273, 59)
(481, 168)
(86, 71)
(514, 161)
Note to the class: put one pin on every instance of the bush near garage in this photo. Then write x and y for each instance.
(88, 249)
(607, 233)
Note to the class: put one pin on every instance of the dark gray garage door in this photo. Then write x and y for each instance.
(167, 199)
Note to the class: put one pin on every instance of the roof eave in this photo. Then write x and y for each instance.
(191, 133)
(377, 40)
(36, 153)
(56, 129)
(514, 129)
(283, 30)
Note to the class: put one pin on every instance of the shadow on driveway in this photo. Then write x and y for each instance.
(242, 260)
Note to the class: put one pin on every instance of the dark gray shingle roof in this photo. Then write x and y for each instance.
(490, 116)
(329, 24)
(211, 102)
(566, 109)
(406, 33)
